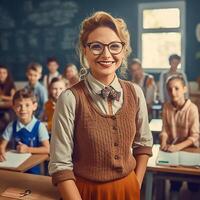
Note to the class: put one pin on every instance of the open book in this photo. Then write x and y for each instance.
(14, 159)
(182, 158)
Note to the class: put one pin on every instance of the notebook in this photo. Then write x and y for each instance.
(181, 158)
(14, 159)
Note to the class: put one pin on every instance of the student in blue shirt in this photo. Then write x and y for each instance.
(34, 72)
(27, 134)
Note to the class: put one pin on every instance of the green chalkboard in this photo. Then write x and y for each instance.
(33, 30)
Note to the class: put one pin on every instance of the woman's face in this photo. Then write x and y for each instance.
(3, 75)
(103, 66)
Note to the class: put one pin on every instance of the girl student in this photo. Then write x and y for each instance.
(7, 90)
(56, 86)
(180, 123)
(70, 75)
(101, 140)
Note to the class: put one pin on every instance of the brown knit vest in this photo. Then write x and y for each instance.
(102, 143)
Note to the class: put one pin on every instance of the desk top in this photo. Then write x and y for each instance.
(37, 184)
(151, 166)
(155, 125)
(34, 160)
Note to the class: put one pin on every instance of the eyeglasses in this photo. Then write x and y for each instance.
(97, 48)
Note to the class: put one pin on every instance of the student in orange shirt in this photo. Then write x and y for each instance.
(56, 86)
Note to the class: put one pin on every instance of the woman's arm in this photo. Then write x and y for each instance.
(61, 147)
(142, 147)
(68, 190)
(141, 164)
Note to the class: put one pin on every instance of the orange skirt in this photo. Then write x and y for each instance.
(123, 189)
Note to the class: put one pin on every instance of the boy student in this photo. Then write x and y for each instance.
(144, 80)
(33, 74)
(174, 61)
(52, 65)
(28, 134)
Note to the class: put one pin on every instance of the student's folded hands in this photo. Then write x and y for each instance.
(173, 148)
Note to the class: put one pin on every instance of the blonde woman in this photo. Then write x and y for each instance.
(100, 121)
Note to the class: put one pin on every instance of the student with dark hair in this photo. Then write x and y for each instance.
(174, 61)
(7, 90)
(144, 80)
(28, 134)
(52, 65)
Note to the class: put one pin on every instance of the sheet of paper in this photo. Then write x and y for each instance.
(189, 159)
(166, 158)
(14, 159)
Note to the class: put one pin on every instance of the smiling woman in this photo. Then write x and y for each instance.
(99, 120)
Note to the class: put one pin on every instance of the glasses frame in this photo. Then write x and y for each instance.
(105, 45)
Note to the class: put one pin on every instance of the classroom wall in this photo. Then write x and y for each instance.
(34, 30)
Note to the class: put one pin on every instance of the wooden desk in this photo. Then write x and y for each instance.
(165, 172)
(37, 184)
(34, 160)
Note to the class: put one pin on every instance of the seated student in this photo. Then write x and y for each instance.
(52, 65)
(27, 133)
(34, 72)
(70, 75)
(180, 122)
(144, 80)
(7, 90)
(174, 61)
(56, 86)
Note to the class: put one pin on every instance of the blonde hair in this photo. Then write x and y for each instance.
(99, 19)
(70, 65)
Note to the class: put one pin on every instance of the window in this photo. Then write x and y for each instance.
(161, 32)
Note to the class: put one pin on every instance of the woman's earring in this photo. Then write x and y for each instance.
(83, 72)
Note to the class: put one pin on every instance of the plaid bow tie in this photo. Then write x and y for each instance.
(110, 93)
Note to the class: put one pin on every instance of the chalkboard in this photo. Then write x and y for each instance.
(33, 30)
